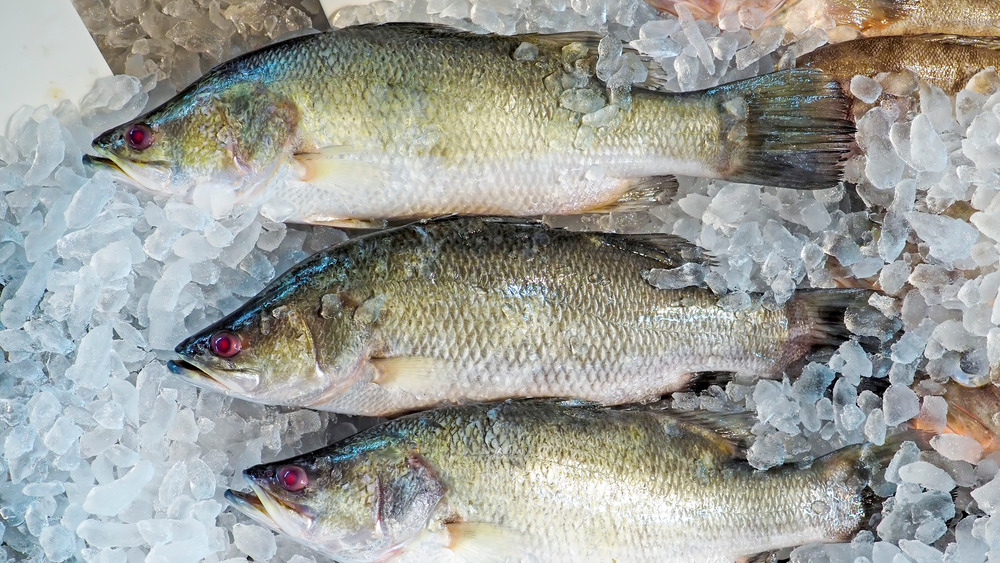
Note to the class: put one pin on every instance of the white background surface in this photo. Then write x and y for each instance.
(47, 55)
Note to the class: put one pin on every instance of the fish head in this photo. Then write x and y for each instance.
(259, 353)
(215, 134)
(358, 501)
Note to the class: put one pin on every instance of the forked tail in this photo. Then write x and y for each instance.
(787, 129)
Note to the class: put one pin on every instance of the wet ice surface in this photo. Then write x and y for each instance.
(107, 458)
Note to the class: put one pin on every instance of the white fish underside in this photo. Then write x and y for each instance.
(550, 184)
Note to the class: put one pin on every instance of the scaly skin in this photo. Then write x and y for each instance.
(416, 121)
(874, 18)
(562, 482)
(945, 61)
(486, 310)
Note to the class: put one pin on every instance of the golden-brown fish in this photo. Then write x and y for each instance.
(947, 61)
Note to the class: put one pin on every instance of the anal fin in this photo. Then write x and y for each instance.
(643, 194)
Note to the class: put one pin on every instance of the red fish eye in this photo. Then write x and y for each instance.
(140, 136)
(293, 478)
(225, 344)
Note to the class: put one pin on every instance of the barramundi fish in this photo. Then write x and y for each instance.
(865, 18)
(371, 122)
(946, 61)
(472, 309)
(546, 480)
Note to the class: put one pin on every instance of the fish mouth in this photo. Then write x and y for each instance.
(250, 504)
(101, 163)
(201, 377)
(271, 511)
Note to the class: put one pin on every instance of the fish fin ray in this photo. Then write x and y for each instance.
(669, 250)
(869, 14)
(413, 374)
(346, 223)
(643, 194)
(333, 166)
(991, 43)
(786, 129)
(487, 543)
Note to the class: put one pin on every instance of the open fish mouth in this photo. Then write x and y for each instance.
(102, 163)
(196, 375)
(250, 504)
(269, 510)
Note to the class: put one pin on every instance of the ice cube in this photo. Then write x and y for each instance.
(927, 475)
(115, 497)
(865, 89)
(255, 541)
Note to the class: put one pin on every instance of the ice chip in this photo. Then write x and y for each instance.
(956, 447)
(49, 151)
(865, 89)
(949, 239)
(927, 475)
(900, 404)
(255, 541)
(111, 499)
(92, 366)
(686, 275)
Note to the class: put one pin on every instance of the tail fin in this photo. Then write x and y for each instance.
(787, 129)
(825, 318)
(817, 316)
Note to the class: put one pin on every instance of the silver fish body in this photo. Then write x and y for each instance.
(554, 481)
(470, 309)
(415, 120)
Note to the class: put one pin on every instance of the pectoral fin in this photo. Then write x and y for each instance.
(413, 374)
(337, 166)
(487, 543)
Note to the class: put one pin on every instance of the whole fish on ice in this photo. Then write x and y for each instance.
(557, 481)
(408, 120)
(470, 309)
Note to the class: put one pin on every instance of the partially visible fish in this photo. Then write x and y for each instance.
(557, 481)
(973, 412)
(874, 18)
(470, 309)
(947, 61)
(755, 11)
(870, 18)
(410, 120)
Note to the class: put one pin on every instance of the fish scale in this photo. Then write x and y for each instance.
(480, 309)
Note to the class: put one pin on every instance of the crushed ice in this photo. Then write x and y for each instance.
(108, 458)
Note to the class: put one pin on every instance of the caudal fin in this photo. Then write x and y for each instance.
(825, 318)
(787, 129)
